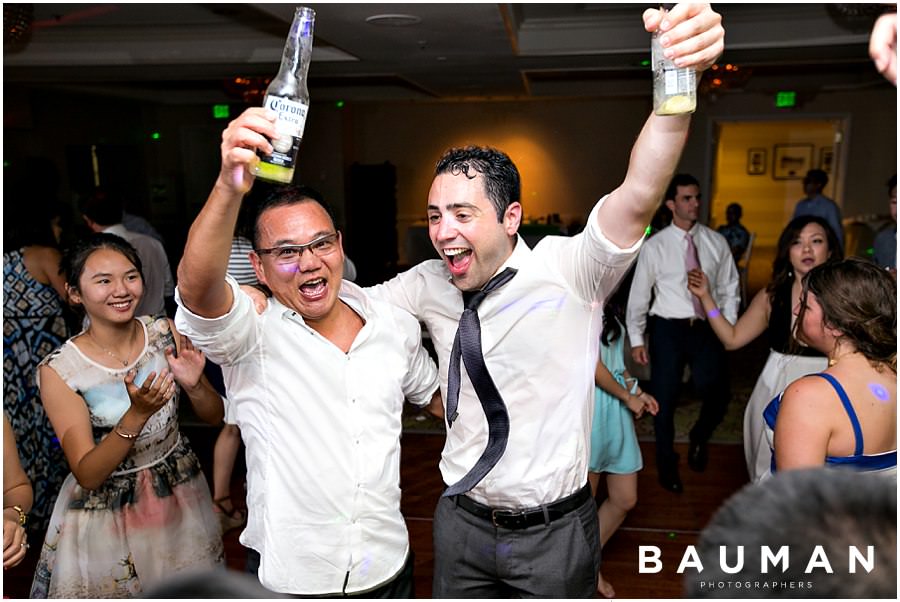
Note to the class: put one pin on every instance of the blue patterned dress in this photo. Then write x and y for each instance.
(33, 326)
(152, 517)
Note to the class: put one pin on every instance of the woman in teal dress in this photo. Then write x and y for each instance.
(618, 401)
(136, 508)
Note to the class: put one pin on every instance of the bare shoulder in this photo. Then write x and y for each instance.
(808, 391)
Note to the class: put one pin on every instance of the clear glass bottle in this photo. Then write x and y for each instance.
(288, 96)
(674, 88)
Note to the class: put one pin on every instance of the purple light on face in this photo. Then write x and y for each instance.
(291, 268)
(879, 392)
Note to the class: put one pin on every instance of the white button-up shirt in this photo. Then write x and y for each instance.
(661, 270)
(322, 434)
(540, 335)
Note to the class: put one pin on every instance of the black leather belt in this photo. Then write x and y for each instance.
(521, 519)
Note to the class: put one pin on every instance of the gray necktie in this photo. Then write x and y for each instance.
(467, 345)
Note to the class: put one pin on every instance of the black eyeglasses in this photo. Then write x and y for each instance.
(320, 247)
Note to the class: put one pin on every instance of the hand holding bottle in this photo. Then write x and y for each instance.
(241, 140)
(691, 35)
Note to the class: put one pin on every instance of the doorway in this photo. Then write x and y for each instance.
(760, 165)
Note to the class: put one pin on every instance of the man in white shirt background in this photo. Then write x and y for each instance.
(102, 212)
(316, 384)
(677, 327)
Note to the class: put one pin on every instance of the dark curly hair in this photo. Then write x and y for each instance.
(859, 299)
(501, 177)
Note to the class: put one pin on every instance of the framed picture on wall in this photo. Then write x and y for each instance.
(791, 161)
(756, 161)
(826, 157)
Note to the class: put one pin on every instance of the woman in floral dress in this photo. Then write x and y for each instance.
(136, 508)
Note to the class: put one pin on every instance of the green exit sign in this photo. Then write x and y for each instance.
(221, 111)
(785, 99)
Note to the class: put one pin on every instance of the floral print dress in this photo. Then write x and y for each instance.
(152, 517)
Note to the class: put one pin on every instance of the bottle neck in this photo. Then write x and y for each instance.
(298, 47)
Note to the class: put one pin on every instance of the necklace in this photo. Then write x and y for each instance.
(110, 353)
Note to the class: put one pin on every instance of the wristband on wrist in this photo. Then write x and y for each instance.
(713, 313)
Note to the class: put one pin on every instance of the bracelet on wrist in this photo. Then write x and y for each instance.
(125, 433)
(22, 516)
(713, 313)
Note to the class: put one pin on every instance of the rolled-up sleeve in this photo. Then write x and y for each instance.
(224, 339)
(422, 379)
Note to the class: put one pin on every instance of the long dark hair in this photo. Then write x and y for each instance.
(782, 270)
(614, 309)
(859, 299)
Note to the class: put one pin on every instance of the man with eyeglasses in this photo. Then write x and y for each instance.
(518, 518)
(316, 384)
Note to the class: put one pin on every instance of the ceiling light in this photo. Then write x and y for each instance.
(393, 20)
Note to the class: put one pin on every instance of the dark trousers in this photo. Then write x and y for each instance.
(672, 344)
(401, 587)
(474, 559)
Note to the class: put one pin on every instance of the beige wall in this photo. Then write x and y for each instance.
(570, 152)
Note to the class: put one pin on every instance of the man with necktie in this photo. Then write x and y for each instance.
(677, 326)
(517, 335)
(517, 358)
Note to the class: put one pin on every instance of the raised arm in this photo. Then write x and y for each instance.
(750, 325)
(694, 37)
(201, 273)
(187, 368)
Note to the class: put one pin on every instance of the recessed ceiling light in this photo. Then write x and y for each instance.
(393, 20)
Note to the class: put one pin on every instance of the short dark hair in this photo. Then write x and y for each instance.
(802, 509)
(103, 208)
(818, 176)
(74, 258)
(679, 179)
(287, 195)
(502, 184)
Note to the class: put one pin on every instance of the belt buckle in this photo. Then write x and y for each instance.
(498, 513)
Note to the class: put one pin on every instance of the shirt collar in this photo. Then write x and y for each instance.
(117, 229)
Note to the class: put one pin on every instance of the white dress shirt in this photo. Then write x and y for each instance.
(158, 281)
(660, 270)
(540, 335)
(322, 433)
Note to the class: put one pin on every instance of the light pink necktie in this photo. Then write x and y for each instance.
(692, 261)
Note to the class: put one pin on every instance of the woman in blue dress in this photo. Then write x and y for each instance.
(34, 324)
(618, 401)
(846, 416)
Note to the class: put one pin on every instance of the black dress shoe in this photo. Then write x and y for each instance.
(670, 480)
(698, 456)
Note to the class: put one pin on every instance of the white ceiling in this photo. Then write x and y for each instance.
(184, 53)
